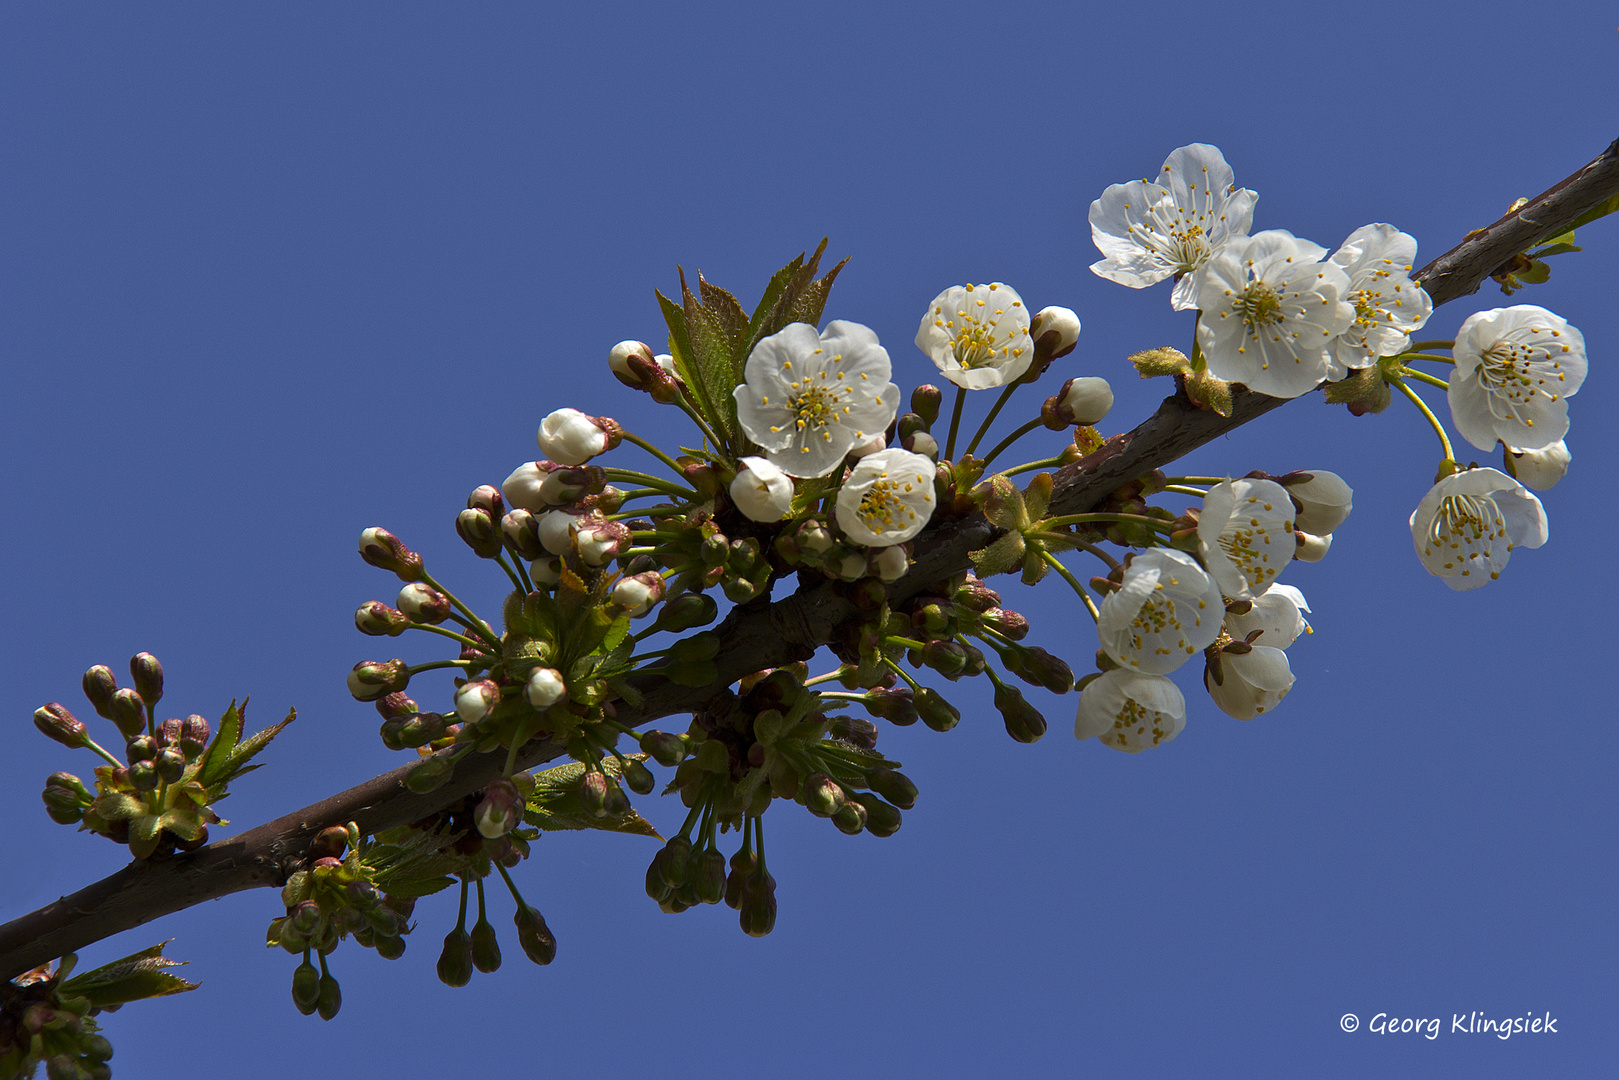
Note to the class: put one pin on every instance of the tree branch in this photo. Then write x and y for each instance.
(754, 636)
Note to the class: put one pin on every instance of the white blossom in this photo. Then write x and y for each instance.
(556, 528)
(761, 491)
(1250, 683)
(1278, 617)
(1270, 309)
(474, 700)
(1466, 527)
(977, 335)
(618, 360)
(869, 446)
(1149, 231)
(1322, 499)
(1388, 304)
(1130, 711)
(809, 397)
(1085, 400)
(1245, 535)
(1539, 469)
(570, 437)
(1516, 368)
(1167, 610)
(523, 488)
(545, 688)
(887, 498)
(1310, 547)
(546, 570)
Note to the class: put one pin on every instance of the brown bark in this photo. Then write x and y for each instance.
(756, 636)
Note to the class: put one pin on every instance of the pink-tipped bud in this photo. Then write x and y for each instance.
(423, 603)
(1054, 331)
(600, 542)
(395, 704)
(637, 594)
(479, 529)
(376, 619)
(1082, 401)
(383, 549)
(545, 688)
(128, 712)
(620, 358)
(487, 497)
(520, 532)
(572, 438)
(499, 811)
(194, 734)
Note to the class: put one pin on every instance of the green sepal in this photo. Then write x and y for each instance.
(135, 977)
(1000, 557)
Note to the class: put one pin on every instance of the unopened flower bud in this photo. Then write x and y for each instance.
(474, 700)
(882, 820)
(890, 563)
(143, 776)
(894, 786)
(376, 619)
(761, 490)
(686, 611)
(546, 570)
(485, 948)
(141, 748)
(897, 706)
(570, 437)
(520, 533)
(638, 593)
(758, 910)
(1010, 624)
(329, 843)
(1038, 667)
(852, 566)
(1309, 547)
(383, 549)
(946, 657)
(500, 810)
(1054, 331)
(128, 712)
(854, 730)
(421, 729)
(370, 679)
(99, 687)
(55, 722)
(305, 987)
(925, 401)
(147, 675)
(1023, 721)
(395, 704)
(618, 361)
(556, 528)
(479, 529)
(921, 442)
(1083, 401)
(936, 712)
(423, 603)
(639, 778)
(537, 942)
(194, 734)
(666, 749)
(814, 538)
(170, 765)
(455, 961)
(65, 798)
(821, 794)
(850, 818)
(976, 596)
(545, 688)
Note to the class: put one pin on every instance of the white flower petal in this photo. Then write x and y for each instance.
(1468, 524)
(1167, 611)
(1130, 711)
(1516, 368)
(977, 335)
(887, 499)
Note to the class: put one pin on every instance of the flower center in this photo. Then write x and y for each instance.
(1259, 307)
(1468, 528)
(817, 402)
(1136, 718)
(883, 507)
(1508, 374)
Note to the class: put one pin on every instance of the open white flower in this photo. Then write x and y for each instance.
(887, 498)
(1516, 368)
(1278, 616)
(977, 335)
(1539, 469)
(761, 491)
(1466, 527)
(1245, 535)
(1150, 231)
(1271, 308)
(1130, 711)
(1322, 498)
(1250, 683)
(570, 437)
(809, 397)
(1388, 304)
(1167, 611)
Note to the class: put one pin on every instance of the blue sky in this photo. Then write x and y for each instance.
(274, 276)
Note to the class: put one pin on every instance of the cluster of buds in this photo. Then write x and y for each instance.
(704, 555)
(157, 799)
(773, 741)
(42, 1022)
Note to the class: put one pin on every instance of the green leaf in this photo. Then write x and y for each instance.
(616, 633)
(779, 281)
(555, 806)
(236, 761)
(680, 349)
(1600, 210)
(810, 303)
(230, 729)
(732, 319)
(778, 316)
(133, 978)
(711, 351)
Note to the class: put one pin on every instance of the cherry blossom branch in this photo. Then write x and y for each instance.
(753, 636)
